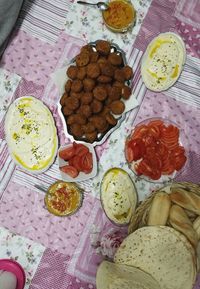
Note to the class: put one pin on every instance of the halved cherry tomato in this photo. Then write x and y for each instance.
(70, 170)
(87, 163)
(77, 162)
(67, 153)
(80, 149)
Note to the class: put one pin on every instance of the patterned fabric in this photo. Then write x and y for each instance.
(27, 253)
(65, 252)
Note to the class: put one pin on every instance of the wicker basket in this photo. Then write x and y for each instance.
(140, 217)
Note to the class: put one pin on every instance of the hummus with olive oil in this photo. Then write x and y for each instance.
(31, 134)
(118, 195)
(163, 61)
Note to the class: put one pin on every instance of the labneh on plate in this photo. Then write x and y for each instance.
(163, 61)
(31, 134)
(118, 196)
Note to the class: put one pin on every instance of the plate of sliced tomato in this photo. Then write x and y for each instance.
(154, 150)
(77, 162)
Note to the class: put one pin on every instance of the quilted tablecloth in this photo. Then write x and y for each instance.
(65, 252)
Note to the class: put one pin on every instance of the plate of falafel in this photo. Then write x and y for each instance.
(96, 93)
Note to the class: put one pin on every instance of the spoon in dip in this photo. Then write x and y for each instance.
(101, 5)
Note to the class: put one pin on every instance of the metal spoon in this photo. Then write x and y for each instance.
(101, 5)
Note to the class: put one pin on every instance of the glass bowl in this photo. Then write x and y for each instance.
(120, 16)
(158, 150)
(63, 194)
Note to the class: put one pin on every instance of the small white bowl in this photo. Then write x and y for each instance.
(81, 176)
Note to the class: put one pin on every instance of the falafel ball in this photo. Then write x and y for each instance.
(107, 69)
(67, 111)
(88, 127)
(96, 106)
(72, 102)
(68, 85)
(88, 84)
(76, 130)
(98, 121)
(128, 72)
(82, 59)
(76, 118)
(77, 85)
(117, 107)
(126, 92)
(86, 98)
(115, 59)
(119, 75)
(81, 74)
(94, 55)
(63, 98)
(93, 70)
(85, 110)
(110, 119)
(115, 93)
(72, 72)
(100, 93)
(91, 136)
(103, 47)
(104, 79)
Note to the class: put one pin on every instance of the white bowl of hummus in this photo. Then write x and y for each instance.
(31, 134)
(163, 61)
(118, 196)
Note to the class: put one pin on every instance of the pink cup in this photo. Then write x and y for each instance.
(15, 268)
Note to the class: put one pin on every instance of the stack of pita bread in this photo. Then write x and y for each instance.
(152, 257)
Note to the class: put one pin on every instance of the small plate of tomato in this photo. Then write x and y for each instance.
(77, 162)
(154, 150)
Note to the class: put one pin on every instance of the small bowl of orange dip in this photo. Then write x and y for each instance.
(120, 16)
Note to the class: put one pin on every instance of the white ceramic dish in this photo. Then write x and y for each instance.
(28, 143)
(167, 64)
(81, 176)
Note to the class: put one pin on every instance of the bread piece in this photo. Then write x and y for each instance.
(180, 221)
(196, 226)
(186, 200)
(159, 210)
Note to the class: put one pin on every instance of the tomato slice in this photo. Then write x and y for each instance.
(140, 131)
(67, 153)
(77, 162)
(80, 149)
(161, 149)
(137, 147)
(154, 131)
(87, 163)
(179, 150)
(70, 170)
(179, 162)
(129, 154)
(156, 122)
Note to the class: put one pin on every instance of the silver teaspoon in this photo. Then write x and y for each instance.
(101, 5)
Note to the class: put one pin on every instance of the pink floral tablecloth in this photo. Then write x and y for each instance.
(65, 252)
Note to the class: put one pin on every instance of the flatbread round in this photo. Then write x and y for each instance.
(163, 253)
(115, 276)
